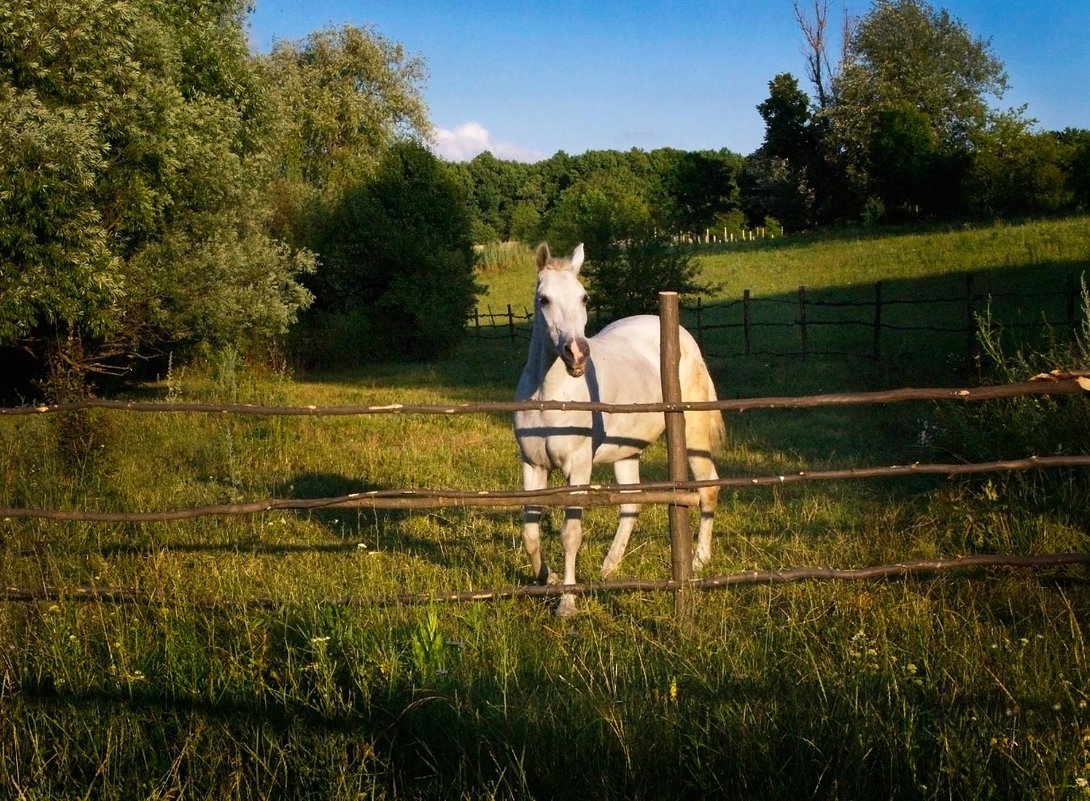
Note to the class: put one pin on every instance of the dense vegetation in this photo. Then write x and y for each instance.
(970, 685)
(171, 200)
(164, 191)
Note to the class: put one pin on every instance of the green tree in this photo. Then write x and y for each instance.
(525, 222)
(772, 187)
(1075, 161)
(132, 216)
(628, 277)
(343, 95)
(600, 211)
(397, 275)
(1016, 171)
(777, 180)
(629, 259)
(902, 156)
(902, 55)
(786, 113)
(703, 186)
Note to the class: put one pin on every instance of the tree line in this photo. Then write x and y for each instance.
(164, 190)
(901, 128)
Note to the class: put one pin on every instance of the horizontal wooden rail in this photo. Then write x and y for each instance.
(682, 493)
(129, 595)
(1063, 386)
(590, 495)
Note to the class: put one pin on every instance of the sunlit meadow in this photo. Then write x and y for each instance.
(262, 659)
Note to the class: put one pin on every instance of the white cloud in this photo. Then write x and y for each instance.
(471, 139)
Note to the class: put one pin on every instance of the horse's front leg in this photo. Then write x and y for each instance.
(571, 534)
(534, 477)
(627, 472)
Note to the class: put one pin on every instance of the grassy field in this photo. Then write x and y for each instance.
(969, 685)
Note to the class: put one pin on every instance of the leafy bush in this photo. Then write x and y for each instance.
(396, 263)
(627, 278)
(133, 217)
(1050, 425)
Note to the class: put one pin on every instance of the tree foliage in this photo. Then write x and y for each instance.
(397, 271)
(903, 129)
(905, 53)
(626, 278)
(629, 258)
(162, 186)
(132, 161)
(340, 98)
(910, 98)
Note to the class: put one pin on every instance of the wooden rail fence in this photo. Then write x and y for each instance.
(677, 493)
(804, 314)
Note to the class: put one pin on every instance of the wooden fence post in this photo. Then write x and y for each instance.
(876, 352)
(511, 322)
(802, 320)
(681, 537)
(746, 322)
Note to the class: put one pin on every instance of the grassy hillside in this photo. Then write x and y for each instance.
(970, 685)
(861, 256)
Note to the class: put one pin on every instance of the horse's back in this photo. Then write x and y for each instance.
(634, 342)
(630, 367)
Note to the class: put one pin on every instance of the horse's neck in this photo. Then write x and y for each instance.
(538, 363)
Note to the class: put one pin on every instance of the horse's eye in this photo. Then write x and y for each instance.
(543, 300)
(584, 300)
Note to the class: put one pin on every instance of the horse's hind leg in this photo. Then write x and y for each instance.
(703, 469)
(627, 472)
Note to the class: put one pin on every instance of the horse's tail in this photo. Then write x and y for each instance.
(717, 425)
(709, 423)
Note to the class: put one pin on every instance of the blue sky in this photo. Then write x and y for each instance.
(527, 79)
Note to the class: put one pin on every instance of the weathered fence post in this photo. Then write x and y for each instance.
(876, 352)
(802, 320)
(970, 318)
(681, 537)
(746, 322)
(511, 322)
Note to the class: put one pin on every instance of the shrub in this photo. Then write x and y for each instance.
(396, 263)
(627, 278)
(1050, 425)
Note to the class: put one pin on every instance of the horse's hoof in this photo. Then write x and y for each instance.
(546, 576)
(608, 570)
(566, 607)
(699, 563)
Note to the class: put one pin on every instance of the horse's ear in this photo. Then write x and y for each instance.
(541, 256)
(577, 258)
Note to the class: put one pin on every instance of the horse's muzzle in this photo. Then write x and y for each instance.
(576, 354)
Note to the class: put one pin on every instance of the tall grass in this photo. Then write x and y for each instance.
(955, 686)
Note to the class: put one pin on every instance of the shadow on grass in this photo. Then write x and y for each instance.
(352, 526)
(759, 740)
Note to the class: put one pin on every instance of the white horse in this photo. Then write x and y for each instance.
(618, 365)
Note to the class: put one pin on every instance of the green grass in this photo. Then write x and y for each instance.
(971, 685)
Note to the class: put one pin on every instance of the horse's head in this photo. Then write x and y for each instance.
(560, 306)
